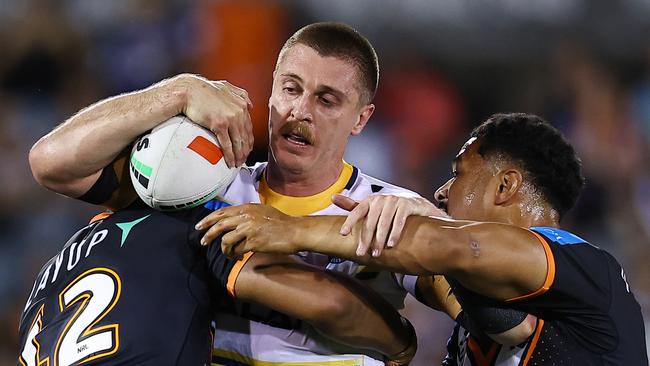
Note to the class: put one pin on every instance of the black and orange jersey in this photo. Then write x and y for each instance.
(587, 314)
(134, 287)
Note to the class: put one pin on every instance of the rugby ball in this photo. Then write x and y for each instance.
(178, 165)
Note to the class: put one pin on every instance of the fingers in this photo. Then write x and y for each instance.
(241, 129)
(359, 212)
(239, 146)
(226, 147)
(221, 227)
(398, 225)
(216, 216)
(368, 230)
(232, 243)
(344, 202)
(225, 110)
(384, 224)
(384, 219)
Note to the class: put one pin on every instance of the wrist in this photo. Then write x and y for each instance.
(300, 237)
(174, 93)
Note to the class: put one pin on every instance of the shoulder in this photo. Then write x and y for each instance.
(558, 236)
(362, 185)
(560, 242)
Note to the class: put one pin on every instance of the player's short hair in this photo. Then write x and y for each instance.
(341, 41)
(548, 159)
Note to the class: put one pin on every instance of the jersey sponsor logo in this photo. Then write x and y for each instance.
(559, 236)
(127, 226)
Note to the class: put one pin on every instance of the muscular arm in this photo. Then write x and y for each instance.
(70, 159)
(333, 303)
(500, 261)
(496, 260)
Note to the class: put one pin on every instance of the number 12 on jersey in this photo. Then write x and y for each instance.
(95, 293)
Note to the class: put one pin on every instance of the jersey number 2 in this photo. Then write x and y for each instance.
(95, 292)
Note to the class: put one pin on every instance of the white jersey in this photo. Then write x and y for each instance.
(275, 338)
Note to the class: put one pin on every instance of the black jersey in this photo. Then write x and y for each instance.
(586, 313)
(132, 288)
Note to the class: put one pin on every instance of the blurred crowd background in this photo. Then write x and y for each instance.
(445, 67)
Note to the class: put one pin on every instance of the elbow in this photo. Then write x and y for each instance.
(336, 313)
(517, 335)
(47, 169)
(41, 170)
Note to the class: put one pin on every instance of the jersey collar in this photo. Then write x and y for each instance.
(301, 206)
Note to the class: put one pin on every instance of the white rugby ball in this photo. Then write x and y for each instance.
(178, 165)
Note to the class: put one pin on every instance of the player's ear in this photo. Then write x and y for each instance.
(510, 181)
(364, 116)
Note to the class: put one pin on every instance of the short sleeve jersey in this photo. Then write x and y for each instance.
(587, 314)
(249, 334)
(132, 288)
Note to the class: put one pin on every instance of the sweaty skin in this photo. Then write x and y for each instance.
(427, 246)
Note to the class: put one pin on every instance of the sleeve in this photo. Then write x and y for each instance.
(104, 187)
(222, 269)
(577, 290)
(572, 281)
(484, 315)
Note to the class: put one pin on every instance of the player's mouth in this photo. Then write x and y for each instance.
(297, 139)
(297, 133)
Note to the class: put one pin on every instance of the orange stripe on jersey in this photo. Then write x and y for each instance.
(533, 342)
(550, 272)
(100, 216)
(207, 149)
(480, 358)
(234, 273)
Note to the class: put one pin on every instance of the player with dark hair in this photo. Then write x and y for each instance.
(545, 156)
(323, 85)
(511, 183)
(98, 302)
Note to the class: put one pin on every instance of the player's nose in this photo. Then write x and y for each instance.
(302, 109)
(442, 194)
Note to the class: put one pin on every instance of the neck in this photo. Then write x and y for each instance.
(535, 215)
(301, 183)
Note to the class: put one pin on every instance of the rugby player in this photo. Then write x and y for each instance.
(323, 86)
(135, 287)
(512, 182)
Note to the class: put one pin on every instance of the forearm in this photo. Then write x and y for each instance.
(416, 252)
(334, 304)
(496, 260)
(87, 142)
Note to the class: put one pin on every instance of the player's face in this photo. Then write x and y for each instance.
(314, 107)
(467, 195)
